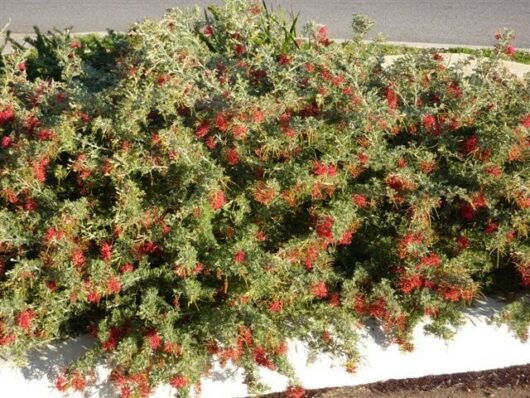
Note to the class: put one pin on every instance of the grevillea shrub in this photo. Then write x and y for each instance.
(207, 187)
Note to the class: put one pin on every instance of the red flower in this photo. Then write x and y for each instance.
(259, 116)
(467, 213)
(324, 169)
(30, 205)
(494, 171)
(240, 49)
(391, 98)
(163, 78)
(84, 117)
(470, 144)
(51, 285)
(311, 255)
(455, 90)
(360, 200)
(346, 238)
(431, 260)
(93, 297)
(127, 267)
(463, 242)
(61, 384)
(113, 285)
(220, 122)
(324, 228)
(319, 290)
(479, 201)
(260, 357)
(25, 319)
(106, 251)
(410, 283)
(239, 131)
(407, 243)
(490, 228)
(78, 382)
(7, 115)
(334, 300)
(211, 142)
(217, 200)
(39, 169)
(429, 121)
(401, 163)
(240, 256)
(451, 293)
(284, 59)
(260, 236)
(509, 50)
(45, 134)
(202, 129)
(525, 121)
(398, 183)
(154, 340)
(52, 233)
(524, 271)
(232, 157)
(6, 142)
(322, 36)
(208, 30)
(7, 339)
(21, 66)
(319, 168)
(377, 309)
(295, 392)
(78, 258)
(363, 158)
(276, 306)
(178, 381)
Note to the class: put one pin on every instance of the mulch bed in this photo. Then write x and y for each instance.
(513, 376)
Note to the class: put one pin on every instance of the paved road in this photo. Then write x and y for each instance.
(470, 22)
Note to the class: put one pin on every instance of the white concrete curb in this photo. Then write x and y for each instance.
(477, 346)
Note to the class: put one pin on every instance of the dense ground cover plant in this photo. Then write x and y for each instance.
(207, 187)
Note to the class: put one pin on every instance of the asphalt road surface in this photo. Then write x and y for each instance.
(471, 22)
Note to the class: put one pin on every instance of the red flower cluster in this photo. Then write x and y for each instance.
(6, 141)
(470, 144)
(408, 245)
(391, 98)
(106, 251)
(431, 260)
(276, 306)
(113, 285)
(321, 169)
(410, 283)
(178, 381)
(261, 358)
(25, 319)
(217, 200)
(319, 289)
(7, 115)
(240, 256)
(232, 157)
(360, 200)
(39, 169)
(295, 392)
(324, 228)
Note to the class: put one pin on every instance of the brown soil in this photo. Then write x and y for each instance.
(511, 382)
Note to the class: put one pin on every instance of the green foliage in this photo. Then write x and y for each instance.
(206, 187)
